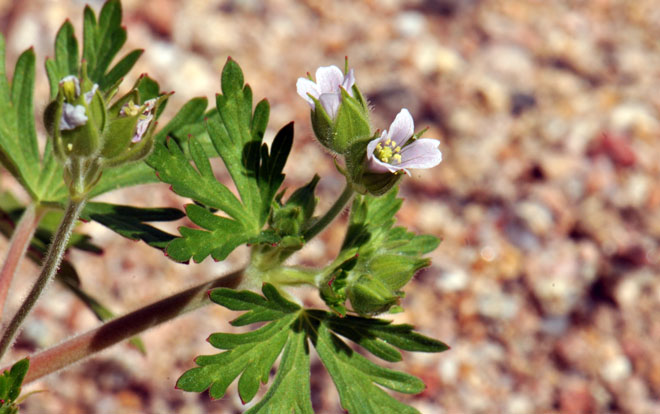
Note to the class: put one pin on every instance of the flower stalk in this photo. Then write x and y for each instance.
(331, 214)
(51, 264)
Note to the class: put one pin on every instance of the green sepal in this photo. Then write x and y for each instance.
(333, 286)
(322, 125)
(351, 125)
(378, 184)
(118, 135)
(360, 98)
(370, 296)
(363, 180)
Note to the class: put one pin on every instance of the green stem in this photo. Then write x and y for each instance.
(289, 276)
(331, 214)
(51, 264)
(18, 244)
(131, 324)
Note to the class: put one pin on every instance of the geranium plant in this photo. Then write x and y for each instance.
(99, 141)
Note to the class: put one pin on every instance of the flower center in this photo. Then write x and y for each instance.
(130, 109)
(388, 152)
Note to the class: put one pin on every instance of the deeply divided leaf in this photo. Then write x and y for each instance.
(236, 132)
(289, 331)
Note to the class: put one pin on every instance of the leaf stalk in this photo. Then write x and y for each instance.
(127, 326)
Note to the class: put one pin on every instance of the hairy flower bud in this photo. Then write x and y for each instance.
(340, 114)
(370, 296)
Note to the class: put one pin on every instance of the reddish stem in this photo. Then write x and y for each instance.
(18, 244)
(127, 326)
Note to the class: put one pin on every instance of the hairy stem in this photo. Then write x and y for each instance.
(18, 244)
(117, 330)
(51, 264)
(331, 214)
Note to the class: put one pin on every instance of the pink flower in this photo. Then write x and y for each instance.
(327, 88)
(389, 153)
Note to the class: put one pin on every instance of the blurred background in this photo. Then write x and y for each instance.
(548, 199)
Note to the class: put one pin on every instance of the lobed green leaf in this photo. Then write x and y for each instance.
(236, 132)
(252, 355)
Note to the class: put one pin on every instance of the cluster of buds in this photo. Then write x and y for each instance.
(340, 119)
(90, 134)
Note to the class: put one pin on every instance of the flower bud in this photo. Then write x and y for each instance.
(340, 114)
(129, 136)
(290, 218)
(75, 119)
(370, 296)
(70, 88)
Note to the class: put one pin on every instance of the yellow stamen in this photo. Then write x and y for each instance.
(131, 109)
(388, 150)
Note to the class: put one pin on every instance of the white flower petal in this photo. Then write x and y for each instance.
(349, 81)
(90, 94)
(423, 153)
(329, 78)
(330, 102)
(371, 147)
(304, 87)
(402, 128)
(72, 117)
(378, 166)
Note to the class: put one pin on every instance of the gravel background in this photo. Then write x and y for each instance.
(548, 200)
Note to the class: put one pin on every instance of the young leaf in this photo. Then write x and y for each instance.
(236, 133)
(252, 355)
